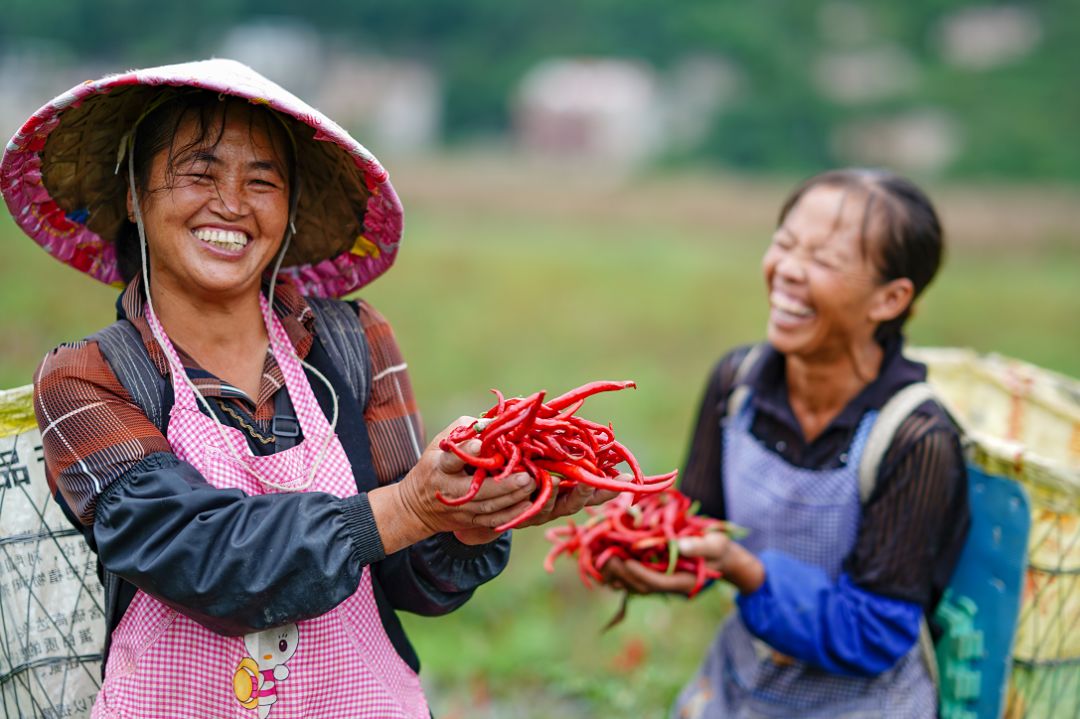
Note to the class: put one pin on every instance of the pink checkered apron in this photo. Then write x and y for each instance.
(341, 664)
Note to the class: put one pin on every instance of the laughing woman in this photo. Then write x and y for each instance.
(834, 588)
(243, 456)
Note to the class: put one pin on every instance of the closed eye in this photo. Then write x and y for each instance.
(265, 183)
(197, 177)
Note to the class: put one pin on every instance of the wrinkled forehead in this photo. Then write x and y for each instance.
(232, 125)
(848, 214)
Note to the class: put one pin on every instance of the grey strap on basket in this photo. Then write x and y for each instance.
(892, 415)
(337, 326)
(740, 391)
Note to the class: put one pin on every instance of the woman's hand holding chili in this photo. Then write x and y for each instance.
(738, 566)
(571, 501)
(558, 505)
(409, 511)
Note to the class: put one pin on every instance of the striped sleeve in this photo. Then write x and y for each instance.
(92, 431)
(914, 525)
(392, 417)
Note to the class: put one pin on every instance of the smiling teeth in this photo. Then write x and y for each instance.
(792, 307)
(225, 239)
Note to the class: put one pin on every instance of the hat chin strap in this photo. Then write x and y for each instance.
(288, 347)
(129, 143)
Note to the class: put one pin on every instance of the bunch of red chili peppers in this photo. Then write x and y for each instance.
(647, 531)
(546, 440)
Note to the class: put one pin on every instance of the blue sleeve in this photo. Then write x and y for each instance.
(837, 627)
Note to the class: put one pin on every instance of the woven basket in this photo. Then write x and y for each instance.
(1023, 424)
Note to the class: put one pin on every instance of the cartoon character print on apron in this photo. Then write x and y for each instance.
(813, 516)
(341, 664)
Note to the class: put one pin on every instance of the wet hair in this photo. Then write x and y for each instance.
(156, 133)
(900, 229)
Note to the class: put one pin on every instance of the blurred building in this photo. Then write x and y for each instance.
(394, 106)
(983, 37)
(695, 92)
(599, 110)
(866, 75)
(391, 106)
(284, 49)
(923, 141)
(33, 73)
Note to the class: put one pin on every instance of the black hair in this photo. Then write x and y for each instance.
(156, 133)
(910, 241)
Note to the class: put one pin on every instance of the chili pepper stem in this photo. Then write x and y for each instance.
(735, 531)
(673, 555)
(620, 615)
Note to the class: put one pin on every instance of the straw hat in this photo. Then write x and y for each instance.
(59, 179)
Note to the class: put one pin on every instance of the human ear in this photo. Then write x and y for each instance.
(891, 299)
(130, 206)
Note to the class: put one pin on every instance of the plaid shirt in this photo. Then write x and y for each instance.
(93, 432)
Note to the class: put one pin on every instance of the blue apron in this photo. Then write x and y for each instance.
(813, 516)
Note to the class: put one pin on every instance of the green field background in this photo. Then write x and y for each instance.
(521, 277)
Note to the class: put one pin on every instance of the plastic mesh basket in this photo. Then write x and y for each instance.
(1023, 423)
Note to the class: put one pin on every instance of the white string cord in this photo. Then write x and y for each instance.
(324, 450)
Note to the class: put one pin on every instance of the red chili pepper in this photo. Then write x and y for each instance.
(511, 464)
(506, 422)
(582, 475)
(570, 409)
(534, 509)
(499, 406)
(630, 459)
(563, 401)
(646, 533)
(612, 551)
(477, 482)
(494, 461)
(526, 434)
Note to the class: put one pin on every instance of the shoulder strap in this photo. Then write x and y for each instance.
(739, 391)
(338, 329)
(928, 652)
(122, 347)
(892, 415)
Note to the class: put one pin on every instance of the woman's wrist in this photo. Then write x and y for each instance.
(476, 537)
(398, 527)
(743, 569)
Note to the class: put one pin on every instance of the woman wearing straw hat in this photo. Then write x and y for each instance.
(826, 444)
(256, 492)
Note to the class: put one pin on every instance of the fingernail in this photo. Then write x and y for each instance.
(686, 544)
(522, 480)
